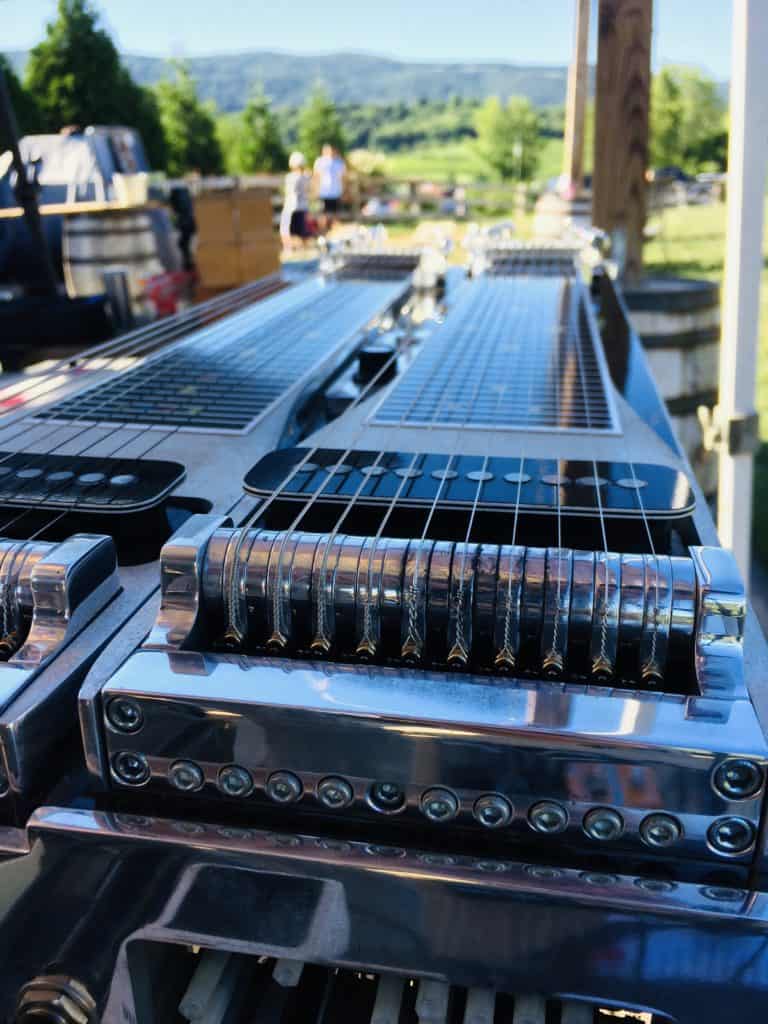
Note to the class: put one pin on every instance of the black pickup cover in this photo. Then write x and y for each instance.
(88, 483)
(664, 492)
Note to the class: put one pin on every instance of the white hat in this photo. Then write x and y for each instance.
(296, 159)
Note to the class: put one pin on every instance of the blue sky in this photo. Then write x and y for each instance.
(518, 31)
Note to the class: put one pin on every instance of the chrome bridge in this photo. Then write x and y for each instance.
(48, 591)
(599, 697)
(549, 612)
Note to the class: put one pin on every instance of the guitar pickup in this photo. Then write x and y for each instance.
(85, 483)
(615, 490)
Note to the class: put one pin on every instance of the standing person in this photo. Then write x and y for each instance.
(293, 219)
(329, 172)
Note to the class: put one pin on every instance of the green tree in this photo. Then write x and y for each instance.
(260, 143)
(189, 126)
(687, 120)
(22, 101)
(509, 138)
(76, 77)
(319, 123)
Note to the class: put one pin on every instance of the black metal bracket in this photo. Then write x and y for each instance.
(738, 435)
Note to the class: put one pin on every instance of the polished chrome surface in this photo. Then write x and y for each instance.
(554, 612)
(695, 951)
(580, 750)
(49, 592)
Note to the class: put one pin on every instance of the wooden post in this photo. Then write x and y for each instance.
(747, 164)
(622, 101)
(576, 104)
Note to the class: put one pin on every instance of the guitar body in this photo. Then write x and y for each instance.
(372, 657)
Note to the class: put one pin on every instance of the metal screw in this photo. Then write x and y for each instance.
(598, 878)
(124, 715)
(130, 768)
(284, 787)
(439, 804)
(731, 835)
(235, 781)
(186, 776)
(548, 817)
(492, 810)
(660, 830)
(542, 872)
(603, 823)
(722, 892)
(386, 797)
(57, 999)
(655, 884)
(738, 779)
(335, 793)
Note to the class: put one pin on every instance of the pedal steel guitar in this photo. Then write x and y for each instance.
(371, 656)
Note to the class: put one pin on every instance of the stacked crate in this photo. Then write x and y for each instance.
(236, 241)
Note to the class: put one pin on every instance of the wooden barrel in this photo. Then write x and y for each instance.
(112, 240)
(678, 321)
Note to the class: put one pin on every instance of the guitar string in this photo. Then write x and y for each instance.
(221, 338)
(233, 632)
(367, 646)
(277, 640)
(219, 334)
(134, 342)
(637, 487)
(577, 309)
(224, 333)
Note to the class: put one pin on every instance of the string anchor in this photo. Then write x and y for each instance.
(602, 669)
(504, 660)
(277, 642)
(553, 665)
(411, 651)
(320, 645)
(651, 675)
(233, 638)
(458, 657)
(366, 649)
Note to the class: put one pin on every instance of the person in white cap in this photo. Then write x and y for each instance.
(293, 219)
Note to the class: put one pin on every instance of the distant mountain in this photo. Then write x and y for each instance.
(349, 78)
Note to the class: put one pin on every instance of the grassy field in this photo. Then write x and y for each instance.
(690, 242)
(461, 161)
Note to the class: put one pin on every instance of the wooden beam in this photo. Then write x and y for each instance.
(576, 103)
(622, 101)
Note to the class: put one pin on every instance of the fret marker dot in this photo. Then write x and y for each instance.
(517, 478)
(407, 473)
(480, 475)
(29, 474)
(444, 474)
(123, 480)
(5, 470)
(555, 480)
(309, 467)
(89, 479)
(373, 470)
(631, 483)
(59, 476)
(341, 470)
(592, 481)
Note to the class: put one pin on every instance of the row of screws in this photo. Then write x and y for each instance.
(736, 778)
(137, 822)
(729, 835)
